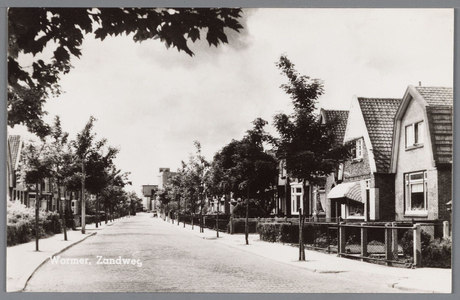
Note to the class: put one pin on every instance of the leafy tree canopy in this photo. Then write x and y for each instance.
(243, 163)
(30, 30)
(307, 146)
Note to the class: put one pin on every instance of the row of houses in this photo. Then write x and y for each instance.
(18, 190)
(402, 164)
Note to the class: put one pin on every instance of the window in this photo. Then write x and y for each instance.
(414, 134)
(416, 192)
(296, 199)
(359, 148)
(355, 209)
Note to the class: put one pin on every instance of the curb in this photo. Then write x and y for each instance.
(313, 270)
(21, 284)
(396, 285)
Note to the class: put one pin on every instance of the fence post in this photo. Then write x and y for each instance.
(231, 224)
(394, 241)
(445, 229)
(417, 234)
(342, 240)
(388, 248)
(363, 241)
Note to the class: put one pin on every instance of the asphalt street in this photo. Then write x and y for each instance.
(145, 254)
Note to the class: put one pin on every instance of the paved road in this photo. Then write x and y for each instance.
(173, 260)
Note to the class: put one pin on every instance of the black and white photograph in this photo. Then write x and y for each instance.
(229, 150)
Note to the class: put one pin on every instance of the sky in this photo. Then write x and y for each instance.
(153, 103)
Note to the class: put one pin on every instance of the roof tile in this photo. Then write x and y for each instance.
(379, 114)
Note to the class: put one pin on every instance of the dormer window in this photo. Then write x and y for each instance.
(414, 135)
(359, 148)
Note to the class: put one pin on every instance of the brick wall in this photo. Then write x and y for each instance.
(444, 192)
(356, 170)
(386, 185)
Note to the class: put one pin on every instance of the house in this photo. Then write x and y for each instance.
(290, 190)
(148, 193)
(221, 204)
(17, 190)
(421, 156)
(367, 190)
(163, 177)
(322, 205)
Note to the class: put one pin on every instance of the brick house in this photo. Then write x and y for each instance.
(367, 190)
(421, 155)
(17, 190)
(290, 191)
(322, 205)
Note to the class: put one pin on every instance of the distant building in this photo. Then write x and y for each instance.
(164, 176)
(148, 196)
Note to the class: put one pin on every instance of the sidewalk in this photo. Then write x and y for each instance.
(421, 280)
(22, 260)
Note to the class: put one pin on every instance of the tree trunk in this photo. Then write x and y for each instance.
(301, 245)
(246, 225)
(106, 212)
(217, 218)
(83, 202)
(62, 212)
(201, 214)
(37, 204)
(302, 213)
(59, 199)
(97, 211)
(178, 211)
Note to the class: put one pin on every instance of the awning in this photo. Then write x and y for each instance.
(350, 190)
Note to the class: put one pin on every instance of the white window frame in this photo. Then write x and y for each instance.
(359, 148)
(408, 183)
(294, 194)
(414, 134)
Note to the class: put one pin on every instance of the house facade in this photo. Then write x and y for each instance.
(422, 154)
(364, 188)
(148, 199)
(323, 206)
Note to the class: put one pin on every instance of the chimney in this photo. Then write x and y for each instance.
(419, 83)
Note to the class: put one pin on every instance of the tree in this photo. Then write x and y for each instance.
(31, 30)
(100, 160)
(135, 203)
(37, 167)
(247, 168)
(83, 145)
(113, 193)
(306, 145)
(59, 162)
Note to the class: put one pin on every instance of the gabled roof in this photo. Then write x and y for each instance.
(438, 104)
(436, 96)
(15, 148)
(341, 117)
(379, 114)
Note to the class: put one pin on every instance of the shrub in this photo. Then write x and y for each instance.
(21, 223)
(280, 232)
(438, 254)
(255, 210)
(239, 226)
(407, 242)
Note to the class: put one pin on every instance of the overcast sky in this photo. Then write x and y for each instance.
(153, 103)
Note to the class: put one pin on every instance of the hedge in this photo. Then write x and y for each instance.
(280, 232)
(20, 225)
(239, 226)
